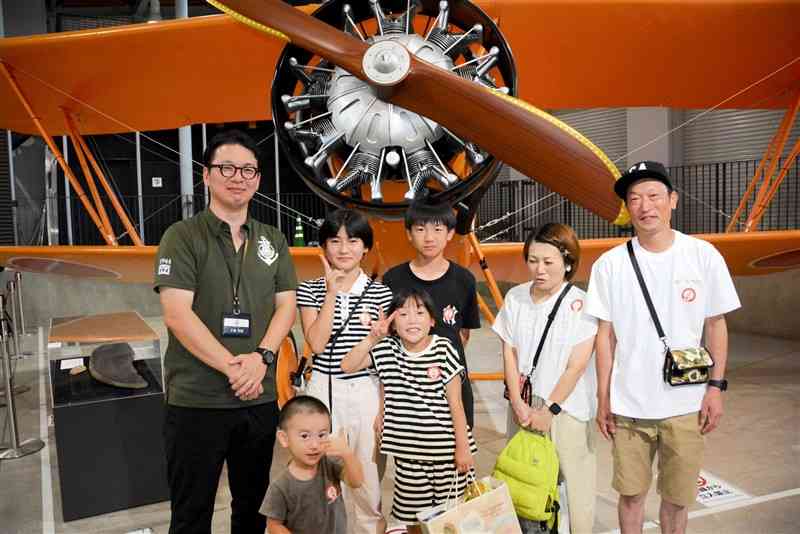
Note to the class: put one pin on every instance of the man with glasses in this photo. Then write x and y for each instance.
(227, 289)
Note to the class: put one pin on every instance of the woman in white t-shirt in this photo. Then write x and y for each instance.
(563, 384)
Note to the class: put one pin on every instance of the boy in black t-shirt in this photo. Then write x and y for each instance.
(452, 287)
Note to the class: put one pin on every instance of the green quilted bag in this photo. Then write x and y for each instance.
(529, 466)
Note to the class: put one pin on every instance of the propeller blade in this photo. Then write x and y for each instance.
(530, 140)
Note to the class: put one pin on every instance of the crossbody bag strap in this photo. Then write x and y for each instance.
(646, 294)
(335, 336)
(550, 318)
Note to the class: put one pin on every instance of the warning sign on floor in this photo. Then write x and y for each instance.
(712, 491)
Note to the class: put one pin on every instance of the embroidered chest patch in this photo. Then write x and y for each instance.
(331, 493)
(266, 252)
(434, 372)
(449, 315)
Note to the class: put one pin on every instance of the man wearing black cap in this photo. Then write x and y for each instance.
(691, 290)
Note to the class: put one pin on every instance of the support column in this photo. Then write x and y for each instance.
(277, 173)
(4, 69)
(644, 126)
(139, 184)
(112, 196)
(13, 179)
(487, 273)
(185, 141)
(108, 231)
(67, 192)
(205, 145)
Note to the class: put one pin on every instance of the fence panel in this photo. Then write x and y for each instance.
(709, 196)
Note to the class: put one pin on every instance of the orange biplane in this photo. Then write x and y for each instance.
(377, 102)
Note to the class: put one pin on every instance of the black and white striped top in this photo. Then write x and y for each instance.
(311, 294)
(417, 423)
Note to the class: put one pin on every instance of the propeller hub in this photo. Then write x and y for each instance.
(386, 63)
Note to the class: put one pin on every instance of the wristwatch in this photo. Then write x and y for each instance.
(267, 356)
(554, 408)
(721, 384)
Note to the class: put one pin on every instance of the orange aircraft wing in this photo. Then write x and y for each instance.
(576, 54)
(751, 253)
(773, 252)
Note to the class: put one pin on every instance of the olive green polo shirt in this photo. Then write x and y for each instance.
(192, 255)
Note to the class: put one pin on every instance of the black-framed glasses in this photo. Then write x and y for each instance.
(228, 170)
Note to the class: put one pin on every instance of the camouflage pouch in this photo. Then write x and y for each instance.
(683, 367)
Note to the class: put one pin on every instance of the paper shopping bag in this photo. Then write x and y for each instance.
(490, 512)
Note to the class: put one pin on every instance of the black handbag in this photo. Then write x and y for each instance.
(526, 389)
(682, 367)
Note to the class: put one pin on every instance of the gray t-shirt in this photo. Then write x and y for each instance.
(309, 506)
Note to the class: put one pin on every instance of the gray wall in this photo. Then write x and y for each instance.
(770, 305)
(29, 170)
(24, 17)
(48, 296)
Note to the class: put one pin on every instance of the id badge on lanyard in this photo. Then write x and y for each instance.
(237, 323)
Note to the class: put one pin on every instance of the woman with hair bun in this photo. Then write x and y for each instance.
(557, 393)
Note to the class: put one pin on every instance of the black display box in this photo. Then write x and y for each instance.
(109, 440)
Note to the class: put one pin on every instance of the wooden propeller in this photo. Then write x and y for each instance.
(530, 140)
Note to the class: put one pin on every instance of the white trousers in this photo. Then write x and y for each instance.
(355, 406)
(577, 459)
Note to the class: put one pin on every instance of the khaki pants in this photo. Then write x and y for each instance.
(575, 445)
(680, 448)
(355, 406)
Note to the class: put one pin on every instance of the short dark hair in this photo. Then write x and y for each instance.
(354, 223)
(420, 296)
(421, 212)
(562, 237)
(301, 404)
(230, 137)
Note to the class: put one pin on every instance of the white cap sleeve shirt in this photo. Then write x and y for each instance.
(688, 283)
(521, 322)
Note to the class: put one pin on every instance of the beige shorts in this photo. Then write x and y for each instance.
(680, 449)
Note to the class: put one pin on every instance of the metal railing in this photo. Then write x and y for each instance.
(709, 194)
(160, 211)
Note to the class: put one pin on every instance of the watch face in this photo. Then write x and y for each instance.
(267, 356)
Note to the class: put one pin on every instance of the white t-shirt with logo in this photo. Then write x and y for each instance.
(688, 283)
(521, 322)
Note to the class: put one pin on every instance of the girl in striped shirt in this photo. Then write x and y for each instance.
(424, 426)
(337, 311)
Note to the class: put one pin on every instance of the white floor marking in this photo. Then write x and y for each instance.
(48, 519)
(728, 507)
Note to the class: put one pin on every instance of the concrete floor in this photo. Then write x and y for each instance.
(757, 450)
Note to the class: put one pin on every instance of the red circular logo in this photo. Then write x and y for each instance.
(331, 493)
(688, 295)
(434, 372)
(577, 305)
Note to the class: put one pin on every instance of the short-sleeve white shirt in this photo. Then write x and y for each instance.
(521, 322)
(688, 283)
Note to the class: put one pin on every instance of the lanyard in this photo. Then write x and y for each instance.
(235, 285)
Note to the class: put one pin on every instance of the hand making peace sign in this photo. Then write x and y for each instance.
(381, 328)
(334, 278)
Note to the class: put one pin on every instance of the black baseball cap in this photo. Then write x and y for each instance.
(638, 171)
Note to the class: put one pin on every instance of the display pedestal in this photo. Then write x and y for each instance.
(109, 439)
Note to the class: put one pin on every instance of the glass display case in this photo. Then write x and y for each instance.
(107, 391)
